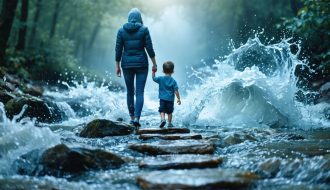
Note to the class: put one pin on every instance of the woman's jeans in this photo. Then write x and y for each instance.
(141, 75)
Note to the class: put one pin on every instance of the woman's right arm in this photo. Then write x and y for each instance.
(150, 50)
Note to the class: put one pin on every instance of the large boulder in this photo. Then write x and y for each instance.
(44, 111)
(175, 147)
(197, 179)
(100, 128)
(182, 161)
(62, 160)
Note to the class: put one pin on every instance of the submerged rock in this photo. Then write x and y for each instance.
(42, 110)
(6, 96)
(72, 160)
(270, 167)
(163, 131)
(170, 136)
(236, 138)
(197, 179)
(101, 128)
(184, 161)
(33, 90)
(175, 147)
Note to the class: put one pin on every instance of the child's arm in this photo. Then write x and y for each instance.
(154, 78)
(177, 94)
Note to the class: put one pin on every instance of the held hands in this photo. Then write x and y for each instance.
(178, 101)
(154, 68)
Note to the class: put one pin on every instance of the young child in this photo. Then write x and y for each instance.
(167, 88)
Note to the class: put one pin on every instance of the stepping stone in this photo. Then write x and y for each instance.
(170, 136)
(197, 179)
(162, 131)
(183, 161)
(175, 147)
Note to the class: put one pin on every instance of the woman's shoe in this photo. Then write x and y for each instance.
(136, 124)
(162, 123)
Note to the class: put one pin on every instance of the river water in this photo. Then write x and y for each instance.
(247, 99)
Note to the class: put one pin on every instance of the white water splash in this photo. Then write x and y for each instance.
(18, 138)
(253, 86)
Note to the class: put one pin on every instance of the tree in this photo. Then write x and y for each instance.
(23, 25)
(35, 22)
(312, 25)
(54, 18)
(6, 22)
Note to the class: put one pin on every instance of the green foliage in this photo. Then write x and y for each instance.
(312, 24)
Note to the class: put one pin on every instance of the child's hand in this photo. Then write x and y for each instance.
(154, 68)
(179, 102)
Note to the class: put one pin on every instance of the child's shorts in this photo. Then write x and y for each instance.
(166, 106)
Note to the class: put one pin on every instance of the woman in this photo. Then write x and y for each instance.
(132, 40)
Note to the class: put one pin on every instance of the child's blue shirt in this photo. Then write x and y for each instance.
(167, 86)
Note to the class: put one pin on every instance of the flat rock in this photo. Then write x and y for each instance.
(197, 179)
(101, 128)
(175, 147)
(170, 136)
(183, 161)
(163, 131)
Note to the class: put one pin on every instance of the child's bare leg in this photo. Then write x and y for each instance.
(163, 122)
(162, 115)
(169, 118)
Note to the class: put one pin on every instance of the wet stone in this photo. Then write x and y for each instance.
(101, 128)
(43, 110)
(170, 136)
(184, 161)
(270, 167)
(163, 131)
(62, 159)
(197, 179)
(175, 147)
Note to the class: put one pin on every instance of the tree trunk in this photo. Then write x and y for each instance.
(93, 35)
(6, 22)
(295, 6)
(54, 19)
(23, 25)
(35, 22)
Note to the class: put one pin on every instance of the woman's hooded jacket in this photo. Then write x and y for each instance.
(132, 40)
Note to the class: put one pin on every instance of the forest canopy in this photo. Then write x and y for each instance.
(60, 39)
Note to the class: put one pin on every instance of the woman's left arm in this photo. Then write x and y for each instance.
(119, 52)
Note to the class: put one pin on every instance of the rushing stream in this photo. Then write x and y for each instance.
(246, 98)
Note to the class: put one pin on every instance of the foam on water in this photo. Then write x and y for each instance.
(254, 85)
(18, 138)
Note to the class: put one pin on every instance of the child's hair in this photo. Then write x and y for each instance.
(168, 67)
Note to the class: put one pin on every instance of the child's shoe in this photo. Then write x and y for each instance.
(170, 125)
(162, 123)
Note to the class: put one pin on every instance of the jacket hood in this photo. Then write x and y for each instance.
(134, 15)
(134, 20)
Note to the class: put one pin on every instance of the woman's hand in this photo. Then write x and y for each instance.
(118, 71)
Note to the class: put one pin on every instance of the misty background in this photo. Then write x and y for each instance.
(70, 39)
